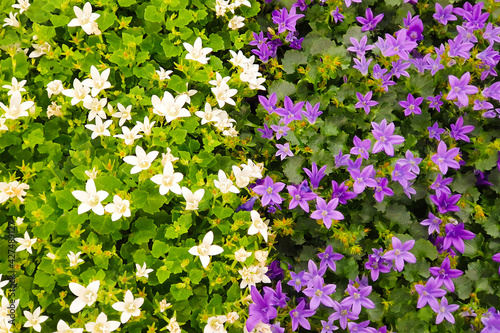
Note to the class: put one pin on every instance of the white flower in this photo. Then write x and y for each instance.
(62, 327)
(232, 317)
(124, 113)
(188, 94)
(92, 174)
(209, 115)
(143, 271)
(243, 2)
(54, 110)
(3, 284)
(221, 7)
(96, 108)
(129, 135)
(237, 58)
(197, 52)
(164, 305)
(215, 325)
(236, 22)
(168, 157)
(169, 180)
(90, 198)
(258, 226)
(130, 307)
(163, 74)
(85, 19)
(25, 242)
(173, 326)
(222, 121)
(16, 109)
(206, 249)
(74, 259)
(12, 21)
(6, 309)
(141, 161)
(12, 190)
(85, 295)
(225, 185)
(146, 126)
(253, 275)
(40, 49)
(261, 256)
(34, 319)
(51, 255)
(98, 81)
(100, 128)
(223, 94)
(231, 131)
(118, 208)
(15, 87)
(102, 325)
(54, 88)
(169, 107)
(3, 127)
(22, 5)
(241, 255)
(192, 199)
(79, 93)
(219, 80)
(256, 83)
(252, 169)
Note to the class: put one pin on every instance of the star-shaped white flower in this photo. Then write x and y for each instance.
(236, 22)
(85, 295)
(124, 114)
(99, 128)
(96, 107)
(129, 135)
(22, 5)
(143, 271)
(12, 21)
(130, 307)
(98, 81)
(17, 107)
(92, 174)
(62, 327)
(3, 284)
(242, 177)
(215, 325)
(225, 185)
(118, 208)
(34, 319)
(258, 226)
(40, 50)
(79, 93)
(169, 180)
(192, 199)
(54, 87)
(90, 198)
(15, 86)
(206, 249)
(25, 242)
(197, 52)
(102, 325)
(169, 107)
(209, 115)
(85, 19)
(163, 74)
(223, 94)
(141, 161)
(146, 126)
(74, 259)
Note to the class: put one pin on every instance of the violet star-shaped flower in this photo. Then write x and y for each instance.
(401, 45)
(361, 327)
(361, 147)
(412, 104)
(365, 102)
(280, 131)
(342, 313)
(399, 68)
(443, 15)
(267, 133)
(428, 293)
(341, 159)
(297, 281)
(382, 189)
(362, 65)
(315, 175)
(435, 102)
(269, 104)
(369, 22)
(291, 111)
(313, 272)
(341, 192)
(360, 46)
(435, 131)
(270, 191)
(328, 258)
(459, 131)
(491, 33)
(434, 65)
(276, 297)
(444, 311)
(260, 310)
(460, 88)
(358, 298)
(400, 253)
(312, 112)
(446, 203)
(300, 197)
(440, 185)
(402, 173)
(384, 134)
(283, 150)
(376, 266)
(433, 223)
(299, 315)
(327, 212)
(286, 20)
(496, 257)
(363, 178)
(445, 158)
(411, 160)
(455, 235)
(337, 17)
(445, 273)
(320, 294)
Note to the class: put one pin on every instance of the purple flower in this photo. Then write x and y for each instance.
(315, 175)
(356, 165)
(314, 273)
(435, 102)
(384, 134)
(301, 4)
(382, 189)
(361, 147)
(399, 68)
(365, 102)
(400, 45)
(411, 160)
(342, 313)
(328, 258)
(458, 131)
(402, 173)
(445, 158)
(369, 22)
(348, 2)
(260, 310)
(361, 327)
(299, 316)
(428, 293)
(285, 20)
(297, 281)
(363, 179)
(247, 206)
(443, 15)
(467, 35)
(400, 253)
(267, 133)
(362, 65)
(459, 48)
(444, 311)
(358, 298)
(475, 19)
(421, 63)
(377, 265)
(491, 33)
(341, 192)
(269, 191)
(275, 272)
(328, 327)
(482, 178)
(378, 72)
(433, 222)
(412, 104)
(455, 235)
(482, 105)
(327, 212)
(496, 257)
(290, 112)
(337, 17)
(434, 64)
(446, 204)
(283, 150)
(319, 293)
(440, 185)
(269, 104)
(414, 26)
(312, 112)
(444, 274)
(360, 47)
(460, 89)
(341, 159)
(281, 131)
(300, 197)
(435, 131)
(258, 39)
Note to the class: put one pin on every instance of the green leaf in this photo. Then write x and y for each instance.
(126, 3)
(159, 249)
(44, 280)
(178, 135)
(33, 138)
(292, 59)
(106, 20)
(65, 200)
(398, 214)
(163, 273)
(282, 89)
(424, 249)
(152, 14)
(59, 20)
(195, 275)
(143, 230)
(293, 169)
(215, 42)
(180, 292)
